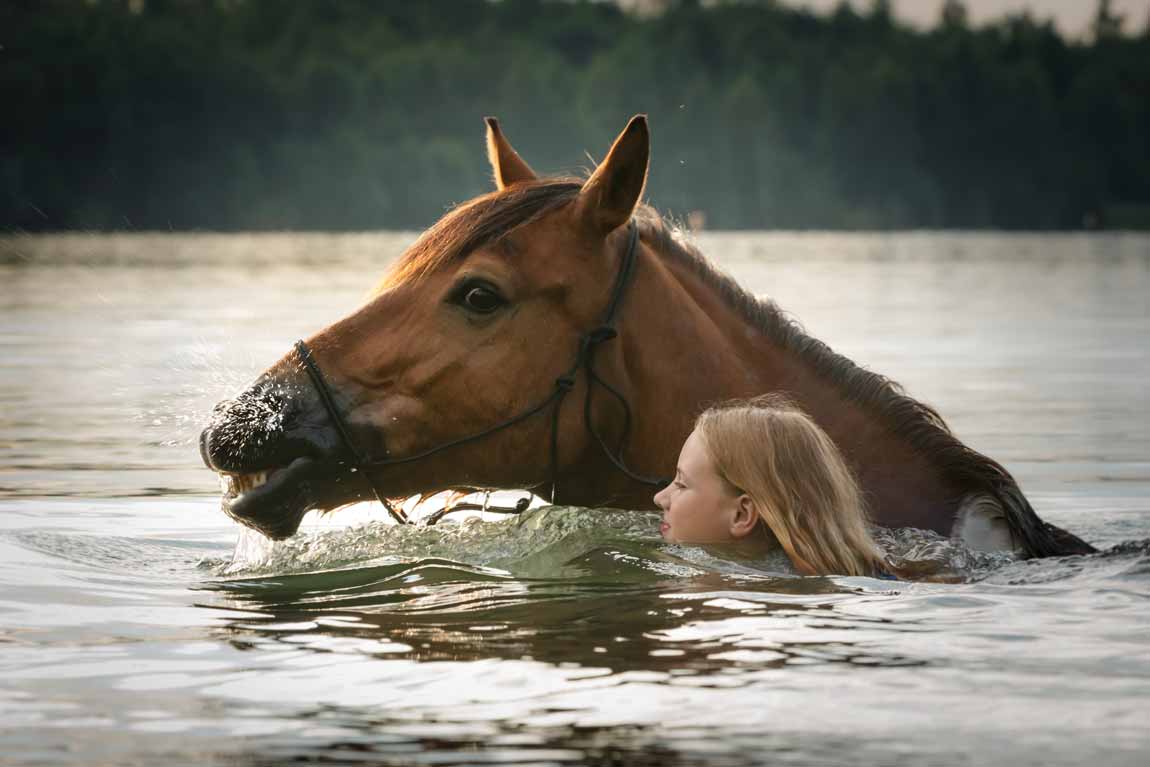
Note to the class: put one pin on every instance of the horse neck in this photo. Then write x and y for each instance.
(686, 346)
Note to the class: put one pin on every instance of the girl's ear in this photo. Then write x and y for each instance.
(746, 517)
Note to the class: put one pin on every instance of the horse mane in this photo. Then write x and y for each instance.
(917, 424)
(487, 219)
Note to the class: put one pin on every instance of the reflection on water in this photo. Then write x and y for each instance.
(591, 588)
(687, 667)
(434, 609)
(130, 633)
(557, 584)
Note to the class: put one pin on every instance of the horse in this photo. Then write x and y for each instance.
(465, 368)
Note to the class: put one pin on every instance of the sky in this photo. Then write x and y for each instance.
(1072, 16)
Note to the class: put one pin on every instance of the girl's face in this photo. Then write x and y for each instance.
(697, 506)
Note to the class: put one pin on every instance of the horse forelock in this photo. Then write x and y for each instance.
(479, 222)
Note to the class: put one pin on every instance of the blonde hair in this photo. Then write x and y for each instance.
(802, 488)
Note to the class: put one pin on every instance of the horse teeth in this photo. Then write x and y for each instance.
(238, 484)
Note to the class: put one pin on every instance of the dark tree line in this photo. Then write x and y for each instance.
(361, 114)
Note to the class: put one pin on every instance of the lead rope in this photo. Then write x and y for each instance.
(563, 384)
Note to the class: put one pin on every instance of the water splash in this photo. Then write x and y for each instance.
(549, 540)
(178, 413)
(539, 542)
(927, 555)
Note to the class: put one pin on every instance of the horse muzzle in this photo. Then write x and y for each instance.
(277, 457)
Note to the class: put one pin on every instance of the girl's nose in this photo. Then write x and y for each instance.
(659, 498)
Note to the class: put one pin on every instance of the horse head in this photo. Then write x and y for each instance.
(475, 326)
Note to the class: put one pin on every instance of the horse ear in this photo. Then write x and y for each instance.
(609, 197)
(506, 163)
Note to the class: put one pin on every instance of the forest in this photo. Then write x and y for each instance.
(126, 115)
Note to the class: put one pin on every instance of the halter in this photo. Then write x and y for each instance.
(584, 358)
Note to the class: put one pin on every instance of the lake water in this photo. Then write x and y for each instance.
(129, 636)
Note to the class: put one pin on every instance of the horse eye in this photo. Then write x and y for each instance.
(480, 299)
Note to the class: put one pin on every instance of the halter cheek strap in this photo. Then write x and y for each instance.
(585, 358)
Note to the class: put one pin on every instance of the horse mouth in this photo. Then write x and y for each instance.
(233, 486)
(274, 500)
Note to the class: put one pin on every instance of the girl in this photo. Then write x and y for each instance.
(758, 471)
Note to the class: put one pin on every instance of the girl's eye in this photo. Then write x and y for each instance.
(478, 298)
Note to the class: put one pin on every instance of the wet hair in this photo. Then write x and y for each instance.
(803, 490)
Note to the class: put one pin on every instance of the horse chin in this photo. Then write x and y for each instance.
(273, 502)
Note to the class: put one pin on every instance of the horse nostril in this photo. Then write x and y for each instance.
(205, 453)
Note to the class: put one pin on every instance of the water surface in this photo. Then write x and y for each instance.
(572, 636)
